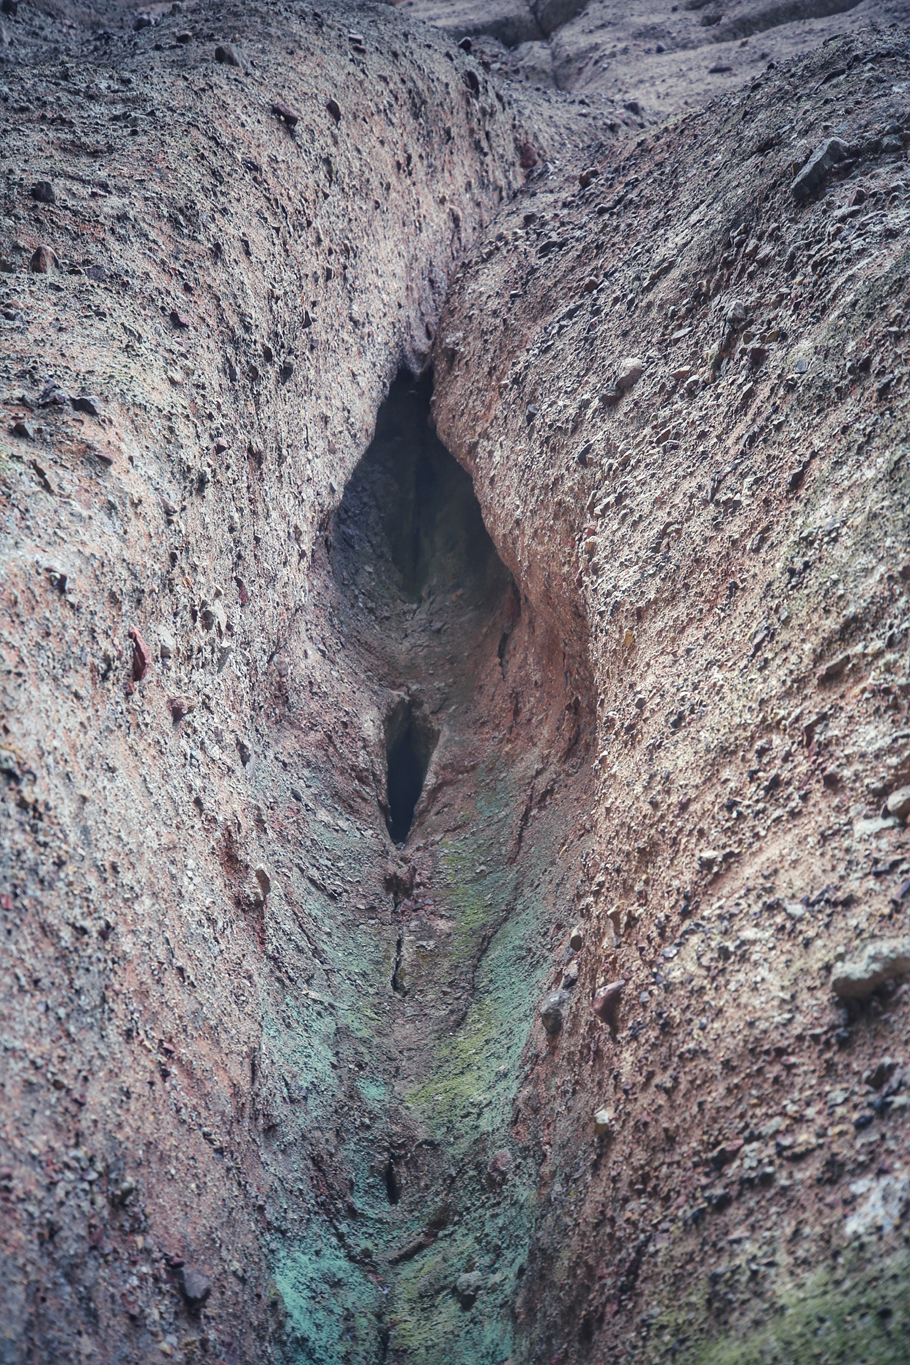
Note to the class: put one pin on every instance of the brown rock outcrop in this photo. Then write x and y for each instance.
(320, 773)
(723, 541)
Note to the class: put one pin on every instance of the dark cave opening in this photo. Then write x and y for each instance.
(409, 514)
(393, 1189)
(411, 741)
(420, 577)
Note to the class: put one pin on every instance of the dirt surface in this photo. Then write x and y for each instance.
(339, 776)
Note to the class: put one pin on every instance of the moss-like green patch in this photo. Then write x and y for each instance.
(856, 1314)
(333, 1310)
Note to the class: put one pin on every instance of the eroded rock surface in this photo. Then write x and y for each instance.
(727, 539)
(328, 762)
(629, 63)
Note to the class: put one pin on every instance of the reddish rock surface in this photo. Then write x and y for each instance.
(327, 760)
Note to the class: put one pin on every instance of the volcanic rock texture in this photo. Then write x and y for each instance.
(688, 435)
(630, 61)
(342, 773)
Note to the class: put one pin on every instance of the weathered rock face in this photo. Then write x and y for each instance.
(318, 782)
(687, 430)
(626, 62)
(239, 258)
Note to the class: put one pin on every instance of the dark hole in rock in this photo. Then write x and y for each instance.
(393, 1189)
(420, 580)
(396, 984)
(409, 501)
(411, 741)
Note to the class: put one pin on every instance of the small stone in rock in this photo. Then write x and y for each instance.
(468, 1287)
(179, 706)
(881, 961)
(284, 112)
(880, 1073)
(196, 1286)
(24, 431)
(898, 803)
(629, 373)
(498, 1169)
(43, 261)
(52, 396)
(227, 56)
(141, 655)
(334, 109)
(88, 403)
(826, 155)
(603, 1120)
(606, 1004)
(552, 1011)
(833, 669)
(43, 191)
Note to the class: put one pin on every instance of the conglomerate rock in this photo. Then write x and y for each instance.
(311, 797)
(725, 540)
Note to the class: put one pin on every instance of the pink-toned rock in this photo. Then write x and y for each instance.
(42, 261)
(606, 1004)
(142, 657)
(498, 1169)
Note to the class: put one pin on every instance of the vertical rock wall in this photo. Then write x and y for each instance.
(687, 429)
(248, 226)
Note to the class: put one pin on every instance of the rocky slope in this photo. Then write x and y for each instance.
(687, 431)
(335, 787)
(201, 314)
(637, 62)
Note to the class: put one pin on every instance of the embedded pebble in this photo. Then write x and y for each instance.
(898, 803)
(629, 372)
(881, 961)
(227, 55)
(552, 1011)
(826, 155)
(196, 1286)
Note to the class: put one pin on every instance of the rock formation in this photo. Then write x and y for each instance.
(455, 745)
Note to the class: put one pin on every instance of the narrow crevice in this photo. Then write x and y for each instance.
(409, 748)
(501, 651)
(452, 708)
(392, 1187)
(399, 948)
